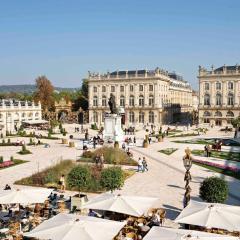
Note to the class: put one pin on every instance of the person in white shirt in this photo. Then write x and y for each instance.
(140, 165)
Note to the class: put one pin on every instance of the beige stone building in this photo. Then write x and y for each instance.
(143, 97)
(219, 93)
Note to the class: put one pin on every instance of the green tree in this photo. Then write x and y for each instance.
(214, 190)
(82, 97)
(79, 177)
(236, 124)
(112, 178)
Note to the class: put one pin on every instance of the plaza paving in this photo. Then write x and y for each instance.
(163, 180)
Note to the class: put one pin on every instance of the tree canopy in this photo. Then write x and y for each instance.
(44, 92)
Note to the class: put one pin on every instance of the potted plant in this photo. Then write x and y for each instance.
(116, 144)
(145, 143)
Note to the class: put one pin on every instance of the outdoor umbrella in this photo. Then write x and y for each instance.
(130, 205)
(159, 233)
(211, 215)
(71, 226)
(24, 196)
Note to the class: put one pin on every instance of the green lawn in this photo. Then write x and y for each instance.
(219, 170)
(233, 156)
(168, 151)
(184, 135)
(195, 141)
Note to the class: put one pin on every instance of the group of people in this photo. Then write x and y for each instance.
(142, 165)
(129, 131)
(129, 140)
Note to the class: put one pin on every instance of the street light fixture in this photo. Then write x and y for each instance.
(187, 162)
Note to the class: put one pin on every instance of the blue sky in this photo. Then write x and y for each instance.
(63, 39)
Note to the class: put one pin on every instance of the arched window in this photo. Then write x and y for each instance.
(131, 101)
(141, 100)
(122, 101)
(151, 100)
(104, 101)
(206, 86)
(151, 117)
(230, 99)
(95, 101)
(218, 86)
(103, 88)
(218, 114)
(230, 114)
(218, 99)
(230, 85)
(95, 117)
(131, 117)
(141, 117)
(207, 114)
(207, 100)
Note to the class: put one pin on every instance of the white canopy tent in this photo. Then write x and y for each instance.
(24, 196)
(33, 122)
(159, 233)
(130, 205)
(211, 215)
(71, 226)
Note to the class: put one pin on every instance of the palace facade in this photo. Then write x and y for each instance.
(219, 93)
(13, 113)
(143, 97)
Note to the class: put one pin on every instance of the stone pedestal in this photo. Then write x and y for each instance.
(113, 128)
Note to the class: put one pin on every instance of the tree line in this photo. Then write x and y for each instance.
(46, 94)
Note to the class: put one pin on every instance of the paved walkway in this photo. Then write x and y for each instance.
(163, 180)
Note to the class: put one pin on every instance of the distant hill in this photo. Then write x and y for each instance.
(28, 88)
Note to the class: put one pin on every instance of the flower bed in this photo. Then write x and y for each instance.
(217, 165)
(6, 164)
(11, 163)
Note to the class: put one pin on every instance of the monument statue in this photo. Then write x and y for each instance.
(112, 104)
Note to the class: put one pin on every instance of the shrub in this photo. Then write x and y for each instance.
(3, 141)
(114, 156)
(112, 178)
(24, 150)
(87, 154)
(94, 126)
(214, 190)
(79, 177)
(9, 140)
(30, 141)
(1, 135)
(1, 159)
(12, 159)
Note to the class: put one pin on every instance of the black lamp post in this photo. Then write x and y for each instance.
(187, 162)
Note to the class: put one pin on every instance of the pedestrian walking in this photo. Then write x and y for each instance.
(134, 140)
(140, 165)
(62, 183)
(145, 166)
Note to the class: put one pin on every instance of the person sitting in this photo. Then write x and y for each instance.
(155, 220)
(7, 187)
(92, 213)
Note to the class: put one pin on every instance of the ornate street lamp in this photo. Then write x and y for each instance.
(187, 162)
